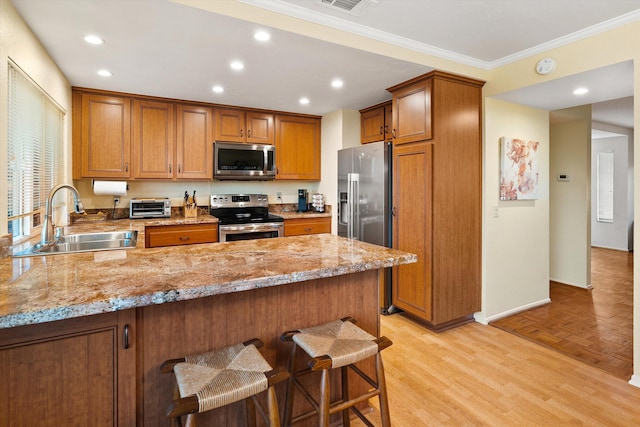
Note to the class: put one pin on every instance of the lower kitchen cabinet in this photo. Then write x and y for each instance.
(412, 231)
(71, 372)
(180, 234)
(298, 226)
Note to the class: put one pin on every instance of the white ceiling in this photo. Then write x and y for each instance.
(162, 48)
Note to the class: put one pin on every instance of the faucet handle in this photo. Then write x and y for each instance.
(58, 233)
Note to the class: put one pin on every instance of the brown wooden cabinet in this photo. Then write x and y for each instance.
(69, 372)
(437, 202)
(102, 136)
(297, 147)
(298, 226)
(412, 111)
(375, 123)
(153, 139)
(194, 142)
(235, 125)
(179, 234)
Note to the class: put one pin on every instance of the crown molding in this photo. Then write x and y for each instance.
(303, 13)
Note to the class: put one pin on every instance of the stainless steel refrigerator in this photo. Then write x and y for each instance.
(364, 195)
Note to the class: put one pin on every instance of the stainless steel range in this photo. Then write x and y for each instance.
(245, 217)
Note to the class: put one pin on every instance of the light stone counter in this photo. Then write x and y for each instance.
(55, 287)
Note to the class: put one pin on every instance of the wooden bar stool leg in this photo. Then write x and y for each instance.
(345, 395)
(250, 409)
(272, 403)
(324, 399)
(382, 386)
(288, 403)
(191, 421)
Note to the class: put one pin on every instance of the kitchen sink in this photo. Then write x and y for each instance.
(85, 242)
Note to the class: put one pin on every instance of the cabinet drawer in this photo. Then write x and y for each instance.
(172, 235)
(298, 226)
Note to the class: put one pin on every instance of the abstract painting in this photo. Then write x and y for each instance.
(518, 169)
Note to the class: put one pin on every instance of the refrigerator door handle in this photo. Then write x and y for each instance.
(353, 196)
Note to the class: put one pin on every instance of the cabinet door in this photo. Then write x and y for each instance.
(388, 122)
(105, 136)
(230, 125)
(412, 227)
(297, 148)
(260, 128)
(412, 112)
(372, 125)
(298, 226)
(194, 142)
(69, 372)
(153, 139)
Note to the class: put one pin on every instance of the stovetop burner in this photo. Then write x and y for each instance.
(242, 209)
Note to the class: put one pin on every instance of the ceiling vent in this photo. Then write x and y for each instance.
(351, 7)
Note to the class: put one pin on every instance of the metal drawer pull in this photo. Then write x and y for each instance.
(184, 238)
(126, 336)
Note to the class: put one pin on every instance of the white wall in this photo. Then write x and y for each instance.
(614, 235)
(630, 173)
(340, 129)
(515, 243)
(18, 43)
(570, 206)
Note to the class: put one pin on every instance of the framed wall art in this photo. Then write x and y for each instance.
(518, 169)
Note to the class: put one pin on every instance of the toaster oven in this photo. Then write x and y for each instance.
(150, 208)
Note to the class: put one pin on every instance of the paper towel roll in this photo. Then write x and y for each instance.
(110, 188)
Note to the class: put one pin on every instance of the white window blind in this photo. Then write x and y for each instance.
(35, 159)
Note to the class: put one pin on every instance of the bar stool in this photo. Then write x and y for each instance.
(337, 344)
(211, 380)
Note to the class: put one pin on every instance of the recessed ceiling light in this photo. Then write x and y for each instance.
(262, 36)
(580, 91)
(337, 83)
(105, 73)
(93, 39)
(304, 101)
(217, 89)
(237, 65)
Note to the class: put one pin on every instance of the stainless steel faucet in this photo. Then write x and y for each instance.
(48, 228)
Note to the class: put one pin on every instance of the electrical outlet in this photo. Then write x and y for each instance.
(279, 194)
(116, 200)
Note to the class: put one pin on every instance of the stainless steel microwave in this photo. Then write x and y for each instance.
(237, 161)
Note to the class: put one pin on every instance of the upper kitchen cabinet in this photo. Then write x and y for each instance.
(375, 123)
(297, 147)
(235, 125)
(101, 136)
(411, 109)
(153, 139)
(194, 144)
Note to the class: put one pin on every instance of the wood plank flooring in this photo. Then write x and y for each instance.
(594, 326)
(477, 375)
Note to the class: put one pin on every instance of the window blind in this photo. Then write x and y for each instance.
(35, 150)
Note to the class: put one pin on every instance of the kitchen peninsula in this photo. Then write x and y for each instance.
(82, 336)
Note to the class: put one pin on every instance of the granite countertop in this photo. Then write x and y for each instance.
(54, 287)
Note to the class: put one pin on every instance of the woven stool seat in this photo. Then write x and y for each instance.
(221, 377)
(218, 378)
(337, 344)
(343, 342)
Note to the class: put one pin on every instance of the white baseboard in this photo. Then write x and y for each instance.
(635, 380)
(481, 318)
(552, 279)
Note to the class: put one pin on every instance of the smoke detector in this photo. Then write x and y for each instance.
(350, 7)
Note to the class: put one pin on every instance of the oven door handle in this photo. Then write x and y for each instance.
(248, 228)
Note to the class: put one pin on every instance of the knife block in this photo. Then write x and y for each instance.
(190, 208)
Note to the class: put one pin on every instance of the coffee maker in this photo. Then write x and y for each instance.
(303, 200)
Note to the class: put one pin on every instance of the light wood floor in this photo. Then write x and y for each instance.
(594, 326)
(477, 375)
